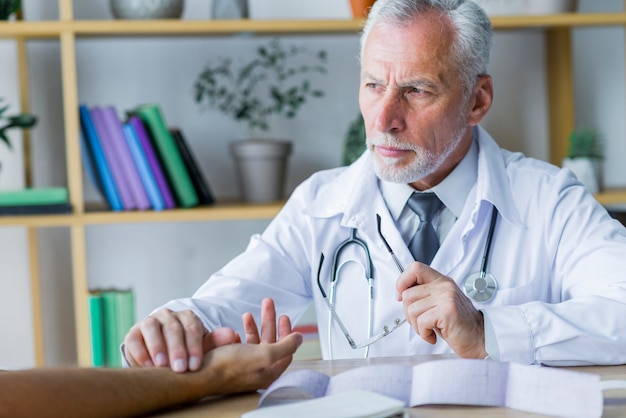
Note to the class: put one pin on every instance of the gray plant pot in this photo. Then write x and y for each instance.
(147, 9)
(261, 167)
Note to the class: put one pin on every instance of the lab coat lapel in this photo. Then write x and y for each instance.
(461, 251)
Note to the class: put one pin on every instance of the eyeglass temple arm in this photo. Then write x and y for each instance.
(331, 308)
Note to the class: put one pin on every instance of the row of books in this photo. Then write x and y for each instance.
(111, 315)
(139, 163)
(34, 201)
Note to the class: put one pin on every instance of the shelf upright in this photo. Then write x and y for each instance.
(74, 180)
(561, 112)
(33, 247)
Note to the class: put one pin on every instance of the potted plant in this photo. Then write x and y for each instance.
(354, 141)
(585, 156)
(8, 8)
(22, 120)
(274, 83)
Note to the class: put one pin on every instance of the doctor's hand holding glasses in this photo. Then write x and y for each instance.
(433, 305)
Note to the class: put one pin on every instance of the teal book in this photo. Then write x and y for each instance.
(96, 329)
(34, 196)
(111, 345)
(168, 152)
(125, 303)
(118, 306)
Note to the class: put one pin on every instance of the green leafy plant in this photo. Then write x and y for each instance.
(8, 7)
(274, 82)
(586, 143)
(22, 120)
(354, 141)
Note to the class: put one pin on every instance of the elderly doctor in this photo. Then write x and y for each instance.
(530, 268)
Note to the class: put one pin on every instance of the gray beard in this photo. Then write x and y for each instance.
(425, 162)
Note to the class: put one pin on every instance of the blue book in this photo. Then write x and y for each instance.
(102, 170)
(143, 167)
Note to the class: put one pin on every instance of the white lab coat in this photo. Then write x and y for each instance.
(558, 257)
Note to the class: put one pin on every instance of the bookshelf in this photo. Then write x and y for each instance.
(67, 30)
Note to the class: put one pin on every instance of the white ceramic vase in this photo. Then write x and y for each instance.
(546, 7)
(261, 167)
(520, 7)
(587, 170)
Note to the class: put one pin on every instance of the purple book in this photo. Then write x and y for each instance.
(153, 160)
(114, 127)
(112, 158)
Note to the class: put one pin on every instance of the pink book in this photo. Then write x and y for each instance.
(153, 161)
(111, 155)
(114, 128)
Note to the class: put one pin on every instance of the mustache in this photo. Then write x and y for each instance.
(390, 140)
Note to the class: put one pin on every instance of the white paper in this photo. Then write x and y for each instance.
(350, 404)
(542, 390)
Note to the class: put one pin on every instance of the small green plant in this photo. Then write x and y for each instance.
(586, 143)
(274, 82)
(22, 120)
(354, 141)
(8, 7)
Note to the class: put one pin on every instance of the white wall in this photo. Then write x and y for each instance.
(164, 261)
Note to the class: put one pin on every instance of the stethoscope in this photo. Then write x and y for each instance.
(479, 286)
(368, 270)
(482, 286)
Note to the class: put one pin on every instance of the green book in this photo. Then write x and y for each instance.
(125, 303)
(37, 196)
(119, 317)
(96, 329)
(169, 155)
(111, 346)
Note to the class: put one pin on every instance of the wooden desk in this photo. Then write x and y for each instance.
(234, 406)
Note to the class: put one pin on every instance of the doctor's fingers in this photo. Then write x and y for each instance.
(424, 304)
(451, 316)
(416, 274)
(174, 339)
(135, 350)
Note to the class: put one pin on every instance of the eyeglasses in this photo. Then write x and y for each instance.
(397, 323)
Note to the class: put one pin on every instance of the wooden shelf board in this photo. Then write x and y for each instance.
(217, 212)
(216, 27)
(108, 28)
(612, 197)
(558, 20)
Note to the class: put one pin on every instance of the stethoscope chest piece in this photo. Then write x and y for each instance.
(480, 286)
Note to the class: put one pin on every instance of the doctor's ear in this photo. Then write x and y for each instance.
(480, 100)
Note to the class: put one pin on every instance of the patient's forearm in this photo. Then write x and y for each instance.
(92, 392)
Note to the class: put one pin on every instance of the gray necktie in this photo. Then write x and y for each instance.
(424, 243)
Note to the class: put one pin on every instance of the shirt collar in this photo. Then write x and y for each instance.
(452, 191)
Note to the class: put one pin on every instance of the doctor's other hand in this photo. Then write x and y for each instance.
(435, 306)
(174, 339)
